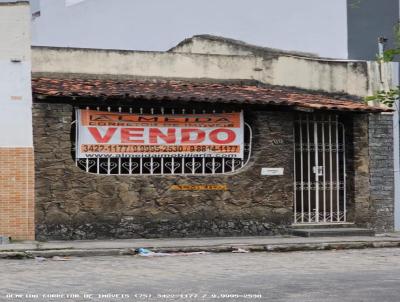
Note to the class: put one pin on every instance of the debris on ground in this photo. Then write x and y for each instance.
(58, 258)
(239, 250)
(148, 253)
(54, 258)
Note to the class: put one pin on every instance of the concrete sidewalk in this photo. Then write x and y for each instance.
(82, 248)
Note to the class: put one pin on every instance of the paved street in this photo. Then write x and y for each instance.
(351, 275)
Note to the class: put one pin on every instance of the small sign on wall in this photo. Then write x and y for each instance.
(16, 98)
(218, 187)
(272, 171)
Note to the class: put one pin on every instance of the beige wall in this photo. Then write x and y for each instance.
(152, 64)
(208, 44)
(353, 77)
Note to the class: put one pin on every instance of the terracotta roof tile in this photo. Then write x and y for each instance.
(194, 91)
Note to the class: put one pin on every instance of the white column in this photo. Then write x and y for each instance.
(396, 150)
(15, 76)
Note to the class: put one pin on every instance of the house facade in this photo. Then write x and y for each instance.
(313, 152)
(212, 138)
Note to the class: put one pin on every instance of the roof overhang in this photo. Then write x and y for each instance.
(195, 91)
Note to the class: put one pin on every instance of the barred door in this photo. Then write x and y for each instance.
(319, 169)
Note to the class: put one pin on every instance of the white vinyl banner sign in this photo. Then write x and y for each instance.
(113, 134)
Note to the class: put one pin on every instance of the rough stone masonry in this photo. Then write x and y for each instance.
(73, 204)
(371, 174)
(381, 171)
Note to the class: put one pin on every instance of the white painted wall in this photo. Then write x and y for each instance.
(15, 77)
(396, 150)
(314, 26)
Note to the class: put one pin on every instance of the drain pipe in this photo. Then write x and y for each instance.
(381, 48)
(381, 45)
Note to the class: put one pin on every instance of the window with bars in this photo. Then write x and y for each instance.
(165, 165)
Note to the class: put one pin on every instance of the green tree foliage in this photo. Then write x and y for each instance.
(389, 55)
(388, 97)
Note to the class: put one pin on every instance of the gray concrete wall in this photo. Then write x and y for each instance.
(368, 20)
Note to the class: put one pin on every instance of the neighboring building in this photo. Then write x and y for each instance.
(16, 145)
(159, 25)
(346, 29)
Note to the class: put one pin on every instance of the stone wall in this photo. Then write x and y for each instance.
(373, 171)
(381, 171)
(359, 184)
(73, 204)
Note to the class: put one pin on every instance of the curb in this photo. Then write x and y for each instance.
(29, 254)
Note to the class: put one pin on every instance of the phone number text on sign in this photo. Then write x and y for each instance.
(122, 135)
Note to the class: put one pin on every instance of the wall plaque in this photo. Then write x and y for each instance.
(272, 171)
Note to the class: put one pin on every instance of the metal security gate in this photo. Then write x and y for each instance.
(319, 170)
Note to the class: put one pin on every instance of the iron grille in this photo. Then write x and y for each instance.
(320, 169)
(165, 165)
